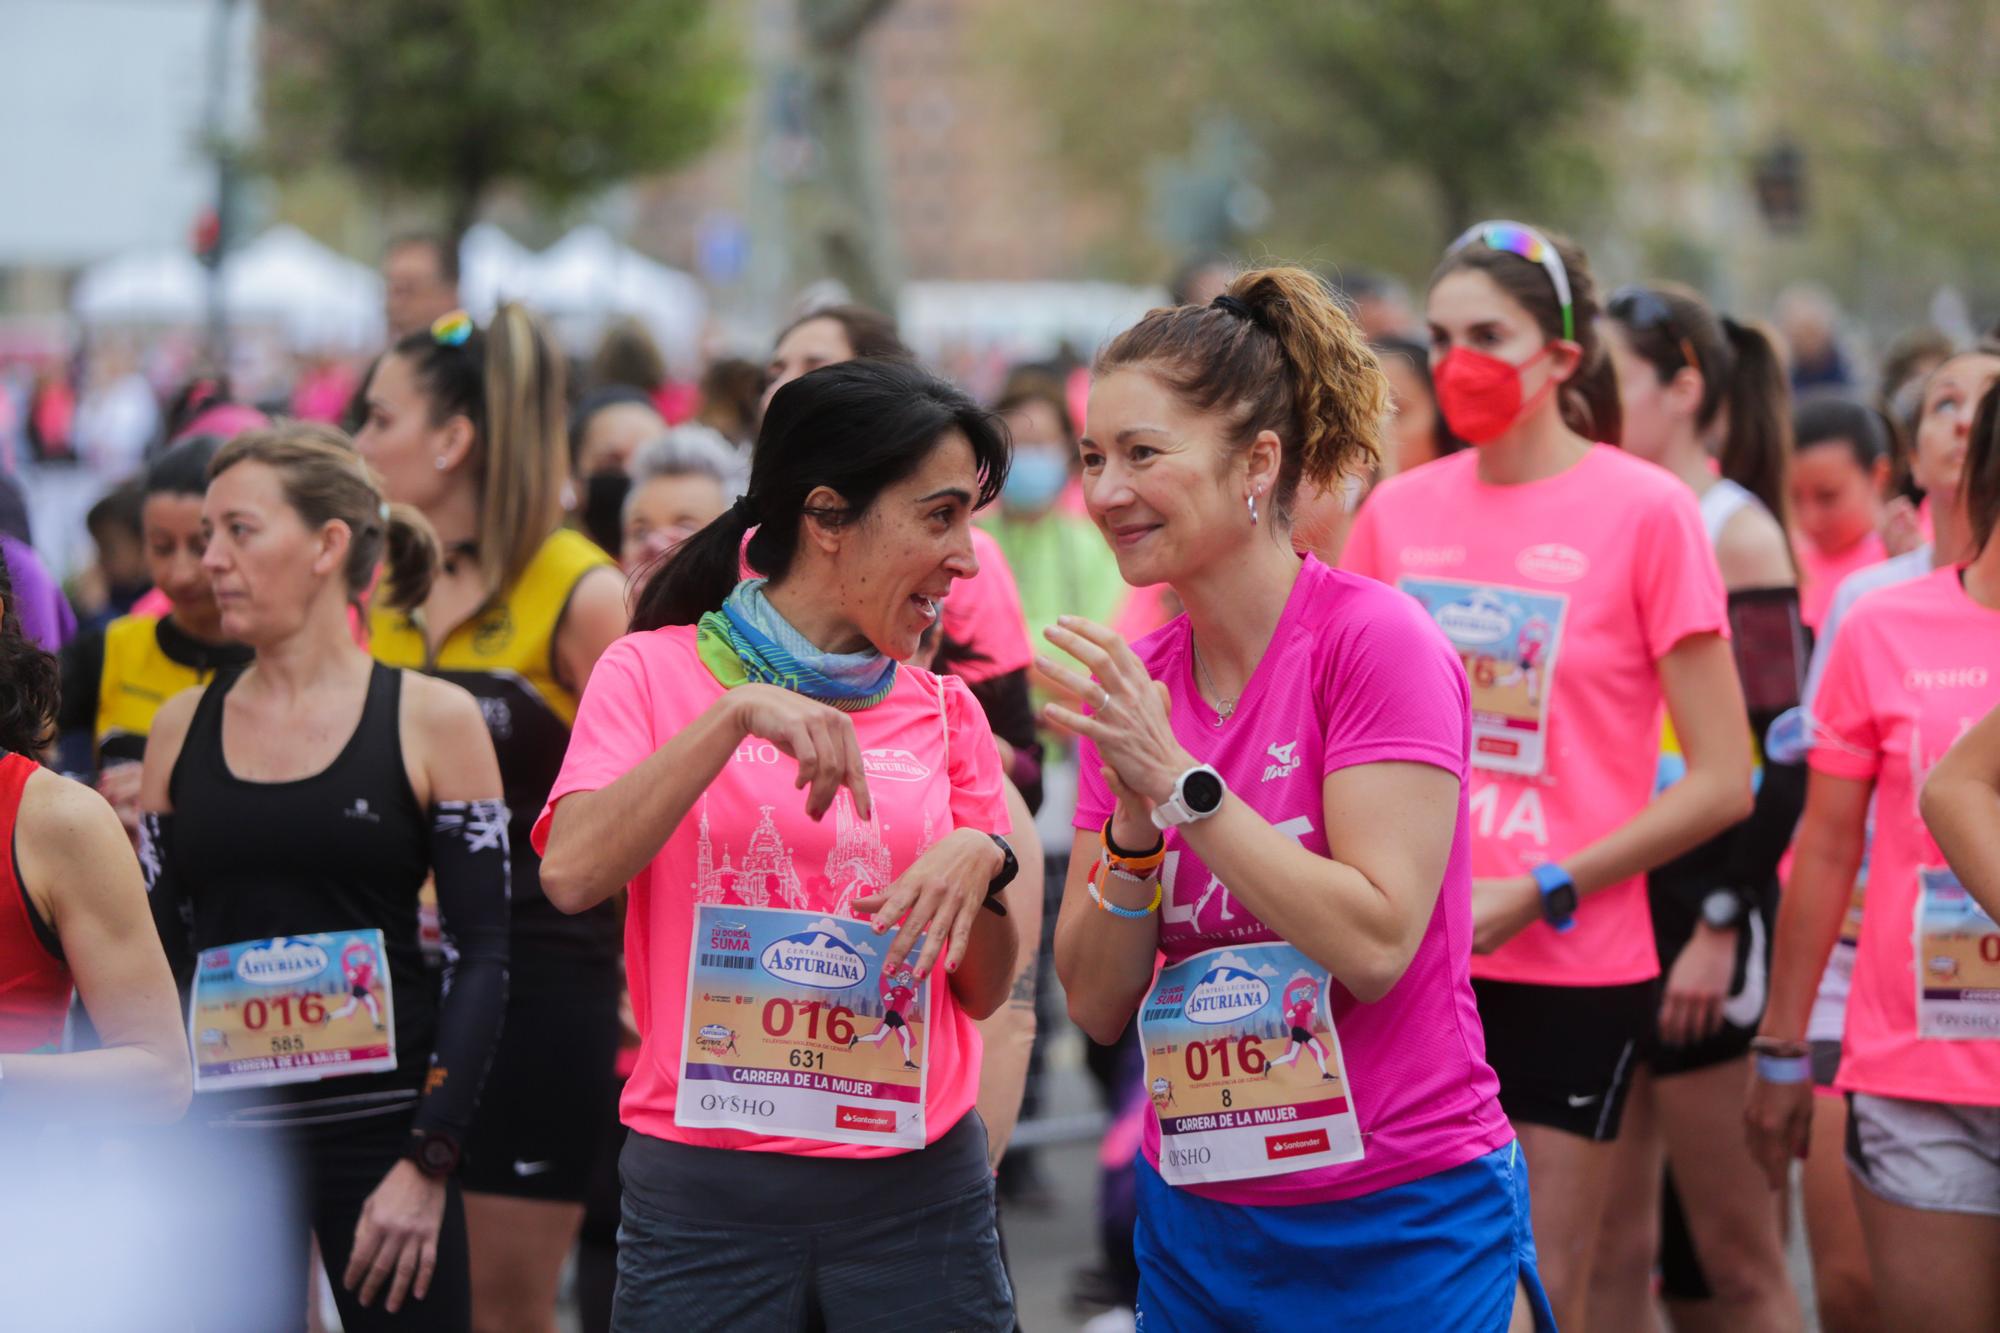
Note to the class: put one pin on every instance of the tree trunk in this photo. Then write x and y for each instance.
(837, 229)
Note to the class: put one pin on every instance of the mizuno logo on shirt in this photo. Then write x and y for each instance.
(359, 810)
(1285, 757)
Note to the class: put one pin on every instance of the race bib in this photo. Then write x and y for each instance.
(794, 1030)
(1244, 1067)
(1509, 640)
(1958, 961)
(293, 1009)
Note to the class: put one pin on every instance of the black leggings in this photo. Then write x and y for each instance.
(331, 1170)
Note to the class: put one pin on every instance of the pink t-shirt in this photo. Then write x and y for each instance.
(1820, 575)
(984, 613)
(1913, 667)
(748, 841)
(1580, 583)
(1354, 675)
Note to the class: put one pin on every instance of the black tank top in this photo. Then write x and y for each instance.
(345, 849)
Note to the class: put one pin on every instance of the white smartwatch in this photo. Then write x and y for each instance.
(1197, 795)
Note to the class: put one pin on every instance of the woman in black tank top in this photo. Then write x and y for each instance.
(294, 809)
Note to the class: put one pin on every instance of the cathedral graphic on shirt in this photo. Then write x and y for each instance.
(856, 865)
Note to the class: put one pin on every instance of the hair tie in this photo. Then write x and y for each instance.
(746, 509)
(1234, 307)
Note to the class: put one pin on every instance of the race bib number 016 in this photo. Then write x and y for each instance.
(293, 1009)
(1244, 1067)
(1958, 960)
(1509, 640)
(794, 1030)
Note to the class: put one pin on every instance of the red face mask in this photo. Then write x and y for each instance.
(1480, 395)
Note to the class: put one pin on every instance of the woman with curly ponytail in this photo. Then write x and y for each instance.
(1273, 798)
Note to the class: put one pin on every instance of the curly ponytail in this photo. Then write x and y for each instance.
(1277, 352)
(29, 680)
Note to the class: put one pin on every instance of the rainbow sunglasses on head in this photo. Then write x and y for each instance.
(452, 330)
(1518, 238)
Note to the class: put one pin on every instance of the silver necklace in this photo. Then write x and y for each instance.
(1223, 707)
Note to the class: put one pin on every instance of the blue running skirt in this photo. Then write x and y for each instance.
(1444, 1252)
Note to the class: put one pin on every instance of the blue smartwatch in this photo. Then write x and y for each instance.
(1558, 896)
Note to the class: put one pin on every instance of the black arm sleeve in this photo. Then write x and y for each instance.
(1759, 842)
(469, 862)
(1012, 717)
(1770, 648)
(173, 913)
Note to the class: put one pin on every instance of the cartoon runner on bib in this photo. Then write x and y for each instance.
(899, 991)
(1301, 1000)
(357, 964)
(1529, 647)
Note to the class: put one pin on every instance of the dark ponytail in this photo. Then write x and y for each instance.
(1982, 471)
(1670, 327)
(1757, 449)
(856, 428)
(29, 680)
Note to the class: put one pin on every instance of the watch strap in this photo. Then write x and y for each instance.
(1552, 879)
(1010, 866)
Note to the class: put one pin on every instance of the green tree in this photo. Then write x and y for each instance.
(449, 98)
(1388, 124)
(1894, 108)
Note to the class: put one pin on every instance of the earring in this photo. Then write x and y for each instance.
(1252, 498)
(440, 463)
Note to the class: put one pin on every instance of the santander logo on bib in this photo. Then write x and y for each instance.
(819, 956)
(1227, 992)
(1552, 562)
(281, 962)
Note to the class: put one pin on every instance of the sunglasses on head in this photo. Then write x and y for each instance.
(1518, 238)
(451, 330)
(1644, 310)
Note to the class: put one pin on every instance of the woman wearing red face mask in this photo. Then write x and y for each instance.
(1580, 590)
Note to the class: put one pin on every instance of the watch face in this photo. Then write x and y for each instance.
(1560, 903)
(1721, 910)
(437, 1155)
(1202, 791)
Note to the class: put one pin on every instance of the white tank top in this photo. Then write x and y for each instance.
(1720, 503)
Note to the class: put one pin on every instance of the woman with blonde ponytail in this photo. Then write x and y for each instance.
(1273, 798)
(293, 810)
(467, 425)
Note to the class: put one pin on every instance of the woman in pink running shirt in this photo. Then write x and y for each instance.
(791, 806)
(1273, 784)
(1539, 519)
(1911, 671)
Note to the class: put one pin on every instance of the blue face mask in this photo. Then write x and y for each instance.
(1035, 478)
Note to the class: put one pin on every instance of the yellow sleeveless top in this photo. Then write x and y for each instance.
(505, 657)
(147, 661)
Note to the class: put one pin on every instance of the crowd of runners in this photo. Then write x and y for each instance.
(1507, 784)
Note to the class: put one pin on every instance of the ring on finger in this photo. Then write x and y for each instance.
(1103, 698)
